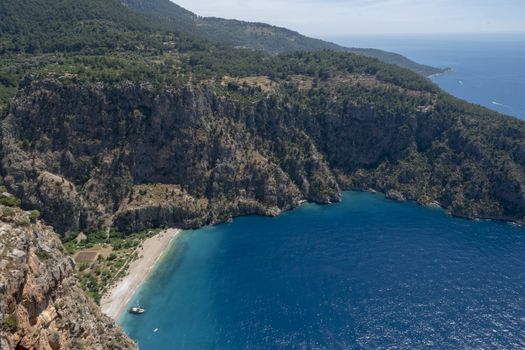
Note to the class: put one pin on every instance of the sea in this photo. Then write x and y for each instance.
(366, 273)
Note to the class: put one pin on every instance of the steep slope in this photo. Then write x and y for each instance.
(41, 304)
(49, 26)
(34, 26)
(111, 119)
(177, 131)
(134, 156)
(209, 165)
(256, 36)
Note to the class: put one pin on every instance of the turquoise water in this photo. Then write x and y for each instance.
(366, 273)
(487, 69)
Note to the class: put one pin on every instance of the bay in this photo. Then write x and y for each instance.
(367, 273)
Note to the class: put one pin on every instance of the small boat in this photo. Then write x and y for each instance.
(137, 310)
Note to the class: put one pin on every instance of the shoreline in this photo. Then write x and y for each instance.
(445, 71)
(115, 300)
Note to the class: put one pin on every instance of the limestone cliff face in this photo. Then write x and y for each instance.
(81, 163)
(41, 304)
(95, 155)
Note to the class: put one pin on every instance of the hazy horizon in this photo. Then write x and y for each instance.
(330, 18)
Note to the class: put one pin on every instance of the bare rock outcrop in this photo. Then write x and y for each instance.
(42, 307)
(94, 155)
(98, 142)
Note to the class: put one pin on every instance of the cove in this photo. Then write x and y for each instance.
(366, 273)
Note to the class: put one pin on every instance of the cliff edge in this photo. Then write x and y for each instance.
(41, 304)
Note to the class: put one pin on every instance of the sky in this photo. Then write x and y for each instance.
(355, 17)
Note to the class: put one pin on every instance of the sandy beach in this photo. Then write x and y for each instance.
(114, 302)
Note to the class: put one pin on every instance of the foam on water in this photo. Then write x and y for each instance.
(501, 105)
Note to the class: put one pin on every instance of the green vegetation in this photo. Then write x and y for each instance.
(375, 125)
(9, 201)
(256, 130)
(70, 245)
(254, 36)
(34, 215)
(117, 240)
(47, 26)
(102, 40)
(42, 255)
(89, 283)
(95, 276)
(23, 221)
(10, 323)
(173, 68)
(8, 212)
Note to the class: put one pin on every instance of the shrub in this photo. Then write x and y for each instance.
(8, 212)
(83, 266)
(70, 247)
(42, 255)
(9, 201)
(34, 215)
(23, 221)
(10, 323)
(96, 237)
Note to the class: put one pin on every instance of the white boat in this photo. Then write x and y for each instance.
(137, 310)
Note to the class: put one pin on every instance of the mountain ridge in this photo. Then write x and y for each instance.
(213, 85)
(257, 35)
(112, 121)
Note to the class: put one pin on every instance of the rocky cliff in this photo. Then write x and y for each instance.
(127, 155)
(92, 155)
(41, 304)
(119, 121)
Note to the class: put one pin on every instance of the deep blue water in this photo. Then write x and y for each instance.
(366, 273)
(487, 69)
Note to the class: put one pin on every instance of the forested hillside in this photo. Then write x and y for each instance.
(256, 36)
(36, 26)
(157, 127)
(117, 120)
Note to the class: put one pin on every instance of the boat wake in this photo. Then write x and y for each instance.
(501, 105)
